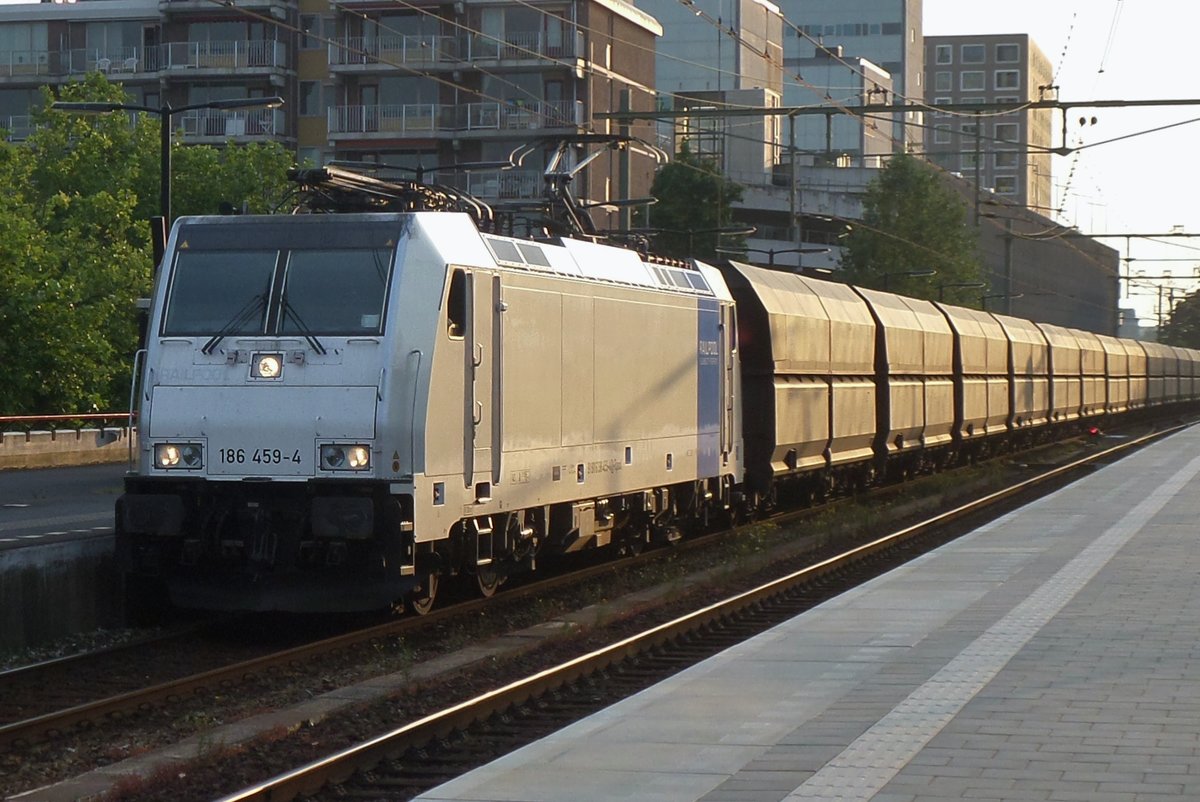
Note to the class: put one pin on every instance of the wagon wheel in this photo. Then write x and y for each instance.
(421, 599)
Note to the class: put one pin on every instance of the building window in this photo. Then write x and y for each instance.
(1006, 159)
(943, 54)
(1008, 79)
(1013, 99)
(973, 54)
(1008, 53)
(310, 32)
(1006, 185)
(969, 129)
(969, 161)
(1008, 132)
(308, 157)
(941, 134)
(940, 101)
(943, 81)
(310, 99)
(971, 81)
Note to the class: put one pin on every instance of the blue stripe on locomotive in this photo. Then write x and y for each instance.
(708, 386)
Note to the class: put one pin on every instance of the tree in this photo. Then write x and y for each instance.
(911, 223)
(694, 200)
(1182, 326)
(75, 247)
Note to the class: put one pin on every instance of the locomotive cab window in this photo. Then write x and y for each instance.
(334, 292)
(213, 291)
(265, 291)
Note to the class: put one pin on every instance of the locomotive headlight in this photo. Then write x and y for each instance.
(267, 366)
(345, 458)
(188, 456)
(358, 457)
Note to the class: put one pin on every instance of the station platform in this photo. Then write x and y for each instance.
(1053, 654)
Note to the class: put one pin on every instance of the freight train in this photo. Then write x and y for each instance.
(345, 411)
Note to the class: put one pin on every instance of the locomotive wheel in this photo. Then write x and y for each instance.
(421, 600)
(487, 580)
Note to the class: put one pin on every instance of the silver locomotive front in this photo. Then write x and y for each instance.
(257, 486)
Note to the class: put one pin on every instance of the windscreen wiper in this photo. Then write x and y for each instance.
(290, 311)
(241, 318)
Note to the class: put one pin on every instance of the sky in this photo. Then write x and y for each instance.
(1115, 50)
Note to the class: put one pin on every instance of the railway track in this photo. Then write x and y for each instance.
(82, 691)
(419, 755)
(61, 722)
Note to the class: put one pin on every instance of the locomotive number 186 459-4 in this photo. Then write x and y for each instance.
(257, 456)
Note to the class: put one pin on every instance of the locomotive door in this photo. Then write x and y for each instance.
(481, 453)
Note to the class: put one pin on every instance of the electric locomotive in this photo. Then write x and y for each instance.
(338, 412)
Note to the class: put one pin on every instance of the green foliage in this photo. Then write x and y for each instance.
(75, 246)
(694, 199)
(1182, 327)
(913, 224)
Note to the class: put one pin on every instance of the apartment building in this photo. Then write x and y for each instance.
(716, 56)
(886, 33)
(1007, 154)
(411, 84)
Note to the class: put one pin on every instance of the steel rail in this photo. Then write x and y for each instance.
(310, 778)
(49, 725)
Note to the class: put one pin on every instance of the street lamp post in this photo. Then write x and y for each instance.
(1008, 296)
(165, 112)
(690, 233)
(960, 284)
(772, 252)
(913, 273)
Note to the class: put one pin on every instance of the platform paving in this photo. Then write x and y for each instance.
(1053, 654)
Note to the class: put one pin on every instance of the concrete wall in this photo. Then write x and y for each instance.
(48, 592)
(51, 449)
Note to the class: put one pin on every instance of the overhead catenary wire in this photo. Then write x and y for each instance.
(441, 80)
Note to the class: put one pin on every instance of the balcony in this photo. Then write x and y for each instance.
(385, 122)
(500, 184)
(358, 51)
(254, 56)
(522, 46)
(16, 127)
(25, 64)
(425, 120)
(534, 115)
(43, 64)
(215, 126)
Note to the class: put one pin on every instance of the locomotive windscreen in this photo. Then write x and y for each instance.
(307, 286)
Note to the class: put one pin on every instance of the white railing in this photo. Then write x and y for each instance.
(520, 116)
(358, 50)
(76, 61)
(403, 119)
(222, 55)
(500, 184)
(391, 50)
(24, 63)
(522, 45)
(17, 127)
(230, 123)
